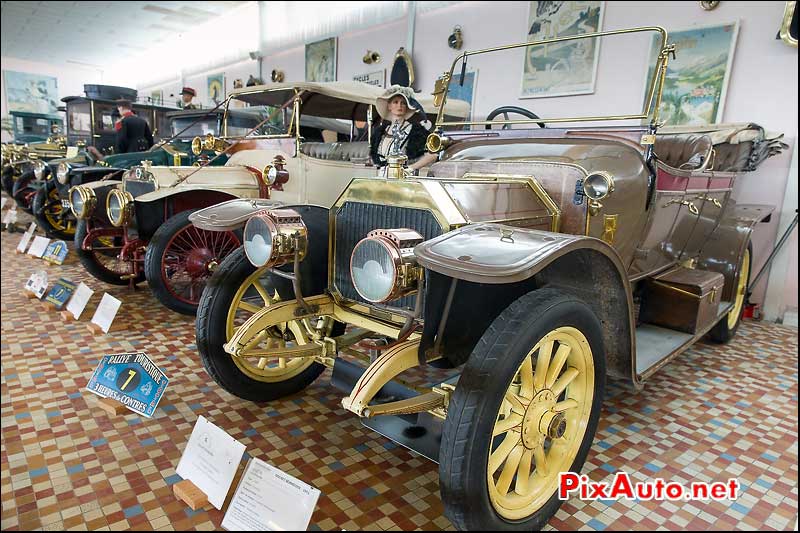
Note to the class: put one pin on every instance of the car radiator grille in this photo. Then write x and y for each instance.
(138, 188)
(355, 219)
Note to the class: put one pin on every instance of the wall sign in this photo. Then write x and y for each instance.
(131, 379)
(377, 78)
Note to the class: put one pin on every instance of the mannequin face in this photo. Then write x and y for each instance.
(187, 98)
(398, 107)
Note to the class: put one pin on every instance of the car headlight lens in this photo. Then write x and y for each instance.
(39, 168)
(62, 173)
(272, 238)
(598, 185)
(82, 201)
(118, 207)
(383, 267)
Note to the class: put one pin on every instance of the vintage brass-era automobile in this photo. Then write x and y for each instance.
(533, 262)
(19, 161)
(34, 127)
(57, 177)
(273, 135)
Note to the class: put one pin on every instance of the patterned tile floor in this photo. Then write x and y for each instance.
(715, 413)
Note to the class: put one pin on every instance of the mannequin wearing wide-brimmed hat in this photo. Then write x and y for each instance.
(396, 133)
(187, 93)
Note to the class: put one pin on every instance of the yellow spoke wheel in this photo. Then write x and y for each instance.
(525, 409)
(53, 213)
(541, 423)
(741, 291)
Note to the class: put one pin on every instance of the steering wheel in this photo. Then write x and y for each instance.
(506, 109)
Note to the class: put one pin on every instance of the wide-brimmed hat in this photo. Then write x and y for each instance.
(382, 103)
(189, 91)
(123, 102)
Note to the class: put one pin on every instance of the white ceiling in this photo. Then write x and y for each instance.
(98, 34)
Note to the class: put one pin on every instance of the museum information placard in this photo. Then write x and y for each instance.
(132, 379)
(268, 499)
(210, 460)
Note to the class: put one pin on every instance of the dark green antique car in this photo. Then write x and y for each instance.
(51, 203)
(34, 127)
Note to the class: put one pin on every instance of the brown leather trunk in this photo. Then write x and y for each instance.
(682, 299)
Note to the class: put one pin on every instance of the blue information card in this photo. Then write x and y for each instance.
(131, 379)
(60, 293)
(56, 252)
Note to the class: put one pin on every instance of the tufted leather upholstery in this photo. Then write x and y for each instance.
(685, 151)
(336, 151)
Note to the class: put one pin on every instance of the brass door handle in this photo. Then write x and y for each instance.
(692, 208)
(712, 200)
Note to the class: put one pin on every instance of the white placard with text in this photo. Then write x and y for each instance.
(210, 460)
(10, 217)
(39, 246)
(37, 283)
(79, 299)
(268, 499)
(26, 238)
(106, 312)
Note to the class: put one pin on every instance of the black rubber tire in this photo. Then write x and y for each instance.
(210, 330)
(39, 202)
(8, 179)
(22, 187)
(90, 263)
(473, 408)
(721, 333)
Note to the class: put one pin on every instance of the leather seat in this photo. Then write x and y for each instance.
(684, 151)
(336, 151)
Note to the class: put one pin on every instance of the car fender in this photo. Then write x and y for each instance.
(231, 215)
(498, 254)
(242, 191)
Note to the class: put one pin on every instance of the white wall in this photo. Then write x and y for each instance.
(70, 79)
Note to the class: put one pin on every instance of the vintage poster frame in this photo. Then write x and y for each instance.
(454, 89)
(663, 116)
(216, 82)
(32, 93)
(313, 54)
(553, 90)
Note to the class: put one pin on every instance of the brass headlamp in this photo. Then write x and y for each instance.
(82, 201)
(383, 267)
(273, 238)
(119, 207)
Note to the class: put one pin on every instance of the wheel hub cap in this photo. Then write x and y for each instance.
(540, 421)
(198, 262)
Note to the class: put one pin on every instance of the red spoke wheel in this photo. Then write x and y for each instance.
(102, 259)
(180, 258)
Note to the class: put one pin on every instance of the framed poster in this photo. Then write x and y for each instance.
(157, 97)
(465, 92)
(216, 88)
(31, 92)
(566, 68)
(697, 79)
(321, 60)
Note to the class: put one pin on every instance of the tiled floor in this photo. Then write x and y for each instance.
(717, 412)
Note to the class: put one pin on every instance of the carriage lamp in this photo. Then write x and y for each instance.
(382, 265)
(62, 173)
(39, 168)
(598, 185)
(119, 207)
(82, 201)
(276, 174)
(273, 237)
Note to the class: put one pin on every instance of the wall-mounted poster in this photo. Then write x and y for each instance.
(697, 79)
(565, 68)
(31, 92)
(377, 78)
(321, 60)
(216, 88)
(465, 92)
(157, 97)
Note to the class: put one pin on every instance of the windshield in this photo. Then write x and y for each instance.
(242, 118)
(198, 128)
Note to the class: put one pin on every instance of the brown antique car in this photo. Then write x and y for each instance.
(533, 262)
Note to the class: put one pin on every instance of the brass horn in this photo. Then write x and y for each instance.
(371, 57)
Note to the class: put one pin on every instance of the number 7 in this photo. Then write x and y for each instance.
(130, 377)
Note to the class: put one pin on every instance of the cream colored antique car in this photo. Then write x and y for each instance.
(274, 136)
(534, 262)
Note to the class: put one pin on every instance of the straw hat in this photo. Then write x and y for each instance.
(382, 103)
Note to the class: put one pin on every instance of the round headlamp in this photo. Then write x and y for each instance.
(383, 267)
(82, 201)
(119, 207)
(271, 238)
(598, 185)
(62, 173)
(39, 169)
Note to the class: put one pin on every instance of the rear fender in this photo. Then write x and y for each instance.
(495, 264)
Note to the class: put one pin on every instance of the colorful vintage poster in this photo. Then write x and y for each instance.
(465, 92)
(564, 68)
(321, 60)
(216, 88)
(697, 79)
(31, 92)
